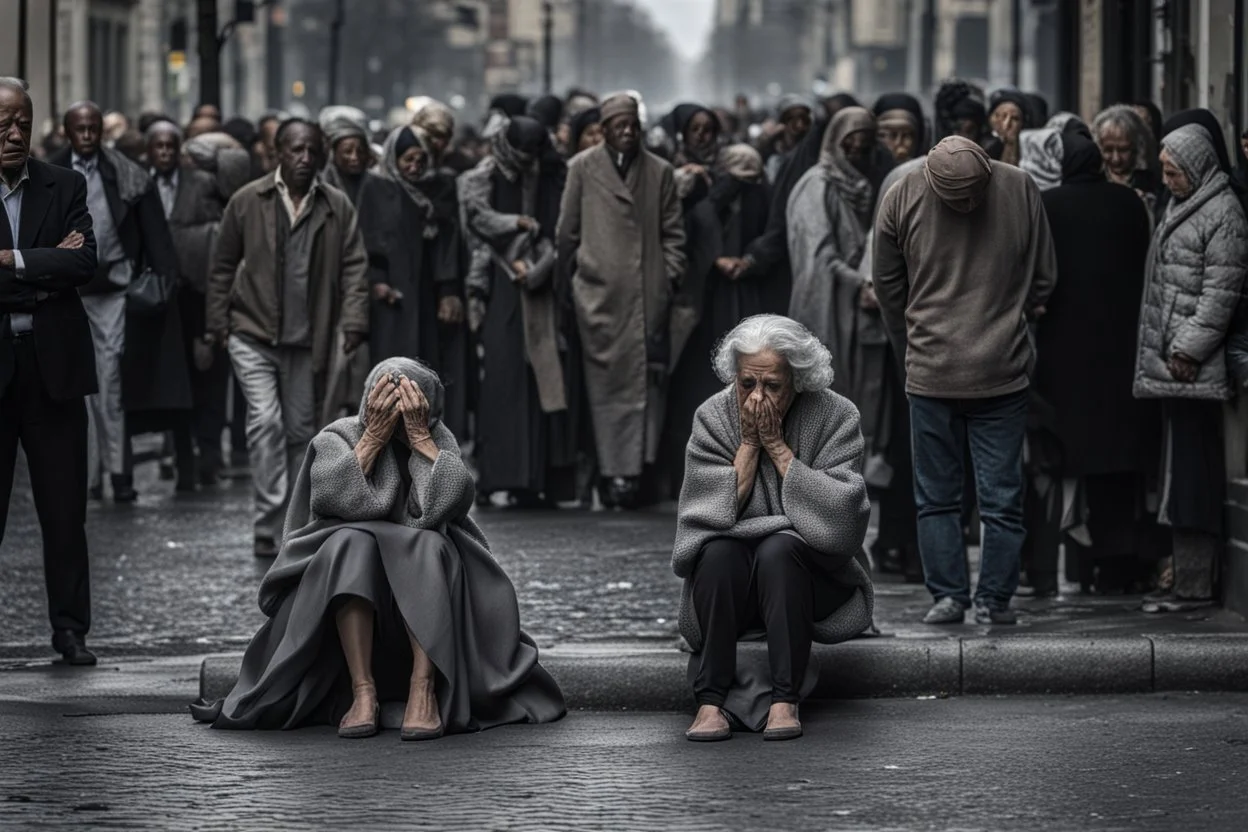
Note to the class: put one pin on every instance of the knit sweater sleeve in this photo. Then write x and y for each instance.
(442, 491)
(339, 487)
(826, 500)
(708, 497)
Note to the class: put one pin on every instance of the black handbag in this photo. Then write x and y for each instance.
(149, 294)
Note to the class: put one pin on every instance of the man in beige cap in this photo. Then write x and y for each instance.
(963, 258)
(621, 242)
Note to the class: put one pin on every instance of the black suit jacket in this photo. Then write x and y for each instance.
(140, 224)
(54, 204)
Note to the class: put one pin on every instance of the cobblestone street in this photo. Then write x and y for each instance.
(175, 576)
(1105, 764)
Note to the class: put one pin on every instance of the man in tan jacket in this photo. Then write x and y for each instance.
(303, 278)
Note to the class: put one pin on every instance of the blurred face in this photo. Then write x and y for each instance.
(115, 124)
(211, 111)
(1007, 121)
(202, 125)
(623, 134)
(591, 136)
(1117, 150)
(85, 127)
(299, 156)
(351, 156)
(857, 144)
(162, 151)
(899, 141)
(1174, 177)
(266, 147)
(797, 124)
(700, 134)
(412, 164)
(1243, 146)
(16, 123)
(765, 375)
(439, 142)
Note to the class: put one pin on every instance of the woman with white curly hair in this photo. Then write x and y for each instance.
(772, 513)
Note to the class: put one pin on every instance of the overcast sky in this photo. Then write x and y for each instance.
(687, 22)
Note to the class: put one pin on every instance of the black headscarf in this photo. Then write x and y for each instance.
(509, 104)
(1154, 119)
(1009, 95)
(528, 136)
(839, 102)
(1207, 120)
(547, 110)
(957, 100)
(1037, 110)
(580, 122)
(679, 120)
(907, 102)
(1081, 159)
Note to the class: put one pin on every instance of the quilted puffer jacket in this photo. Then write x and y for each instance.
(1196, 268)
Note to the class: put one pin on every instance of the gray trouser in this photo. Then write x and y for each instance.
(281, 420)
(106, 421)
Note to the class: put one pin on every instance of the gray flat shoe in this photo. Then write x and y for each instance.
(362, 730)
(945, 611)
(421, 734)
(790, 732)
(717, 735)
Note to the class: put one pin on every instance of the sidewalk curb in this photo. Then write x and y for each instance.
(654, 679)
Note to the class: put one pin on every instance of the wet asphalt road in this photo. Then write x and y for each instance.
(1104, 764)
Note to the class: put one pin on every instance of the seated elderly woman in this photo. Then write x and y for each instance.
(385, 590)
(772, 513)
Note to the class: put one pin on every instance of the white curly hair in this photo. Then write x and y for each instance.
(808, 359)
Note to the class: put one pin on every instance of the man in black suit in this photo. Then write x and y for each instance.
(47, 365)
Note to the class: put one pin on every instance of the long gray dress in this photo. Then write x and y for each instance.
(401, 539)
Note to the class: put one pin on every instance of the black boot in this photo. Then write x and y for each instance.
(123, 488)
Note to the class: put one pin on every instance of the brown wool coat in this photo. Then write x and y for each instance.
(244, 288)
(621, 243)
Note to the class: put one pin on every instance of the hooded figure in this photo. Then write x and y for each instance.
(731, 216)
(1195, 274)
(1103, 441)
(899, 117)
(1206, 119)
(437, 122)
(386, 527)
(526, 443)
(795, 116)
(960, 110)
(829, 213)
(394, 254)
(425, 316)
(1008, 115)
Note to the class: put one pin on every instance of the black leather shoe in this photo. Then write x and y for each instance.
(123, 489)
(73, 649)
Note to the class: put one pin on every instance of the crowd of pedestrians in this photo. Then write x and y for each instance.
(1038, 319)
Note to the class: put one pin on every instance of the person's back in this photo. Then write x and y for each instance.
(963, 254)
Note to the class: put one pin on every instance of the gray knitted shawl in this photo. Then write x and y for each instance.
(822, 498)
(332, 490)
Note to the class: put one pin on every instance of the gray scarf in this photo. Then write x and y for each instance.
(850, 183)
(390, 170)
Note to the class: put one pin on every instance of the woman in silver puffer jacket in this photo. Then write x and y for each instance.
(1196, 268)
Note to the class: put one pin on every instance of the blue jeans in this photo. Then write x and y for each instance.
(940, 430)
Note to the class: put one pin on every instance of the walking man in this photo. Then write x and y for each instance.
(621, 243)
(303, 280)
(131, 234)
(963, 257)
(47, 364)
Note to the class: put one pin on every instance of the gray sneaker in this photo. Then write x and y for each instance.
(945, 611)
(985, 614)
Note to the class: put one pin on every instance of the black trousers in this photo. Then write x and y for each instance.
(54, 436)
(209, 388)
(744, 585)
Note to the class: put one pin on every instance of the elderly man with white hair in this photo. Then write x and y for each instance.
(772, 513)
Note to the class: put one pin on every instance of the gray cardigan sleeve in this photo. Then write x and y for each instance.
(834, 479)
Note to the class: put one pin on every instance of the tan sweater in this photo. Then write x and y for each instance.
(955, 288)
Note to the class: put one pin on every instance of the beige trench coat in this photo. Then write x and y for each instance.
(625, 237)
